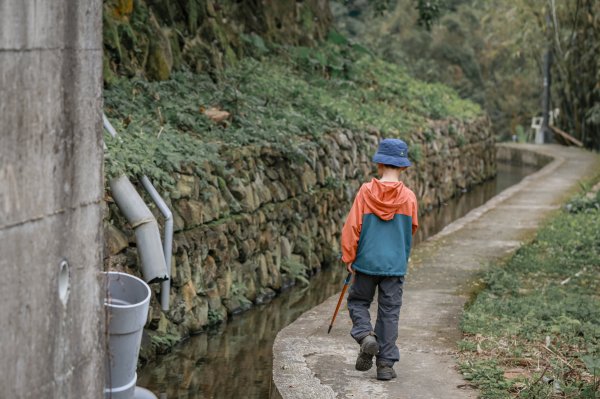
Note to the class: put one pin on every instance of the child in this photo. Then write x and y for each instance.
(376, 243)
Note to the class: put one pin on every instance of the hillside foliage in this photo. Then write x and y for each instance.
(285, 96)
(491, 53)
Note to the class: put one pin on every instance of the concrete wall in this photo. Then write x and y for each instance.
(515, 154)
(50, 199)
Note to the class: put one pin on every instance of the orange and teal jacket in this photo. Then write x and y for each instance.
(377, 235)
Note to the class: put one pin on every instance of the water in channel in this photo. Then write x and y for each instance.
(235, 361)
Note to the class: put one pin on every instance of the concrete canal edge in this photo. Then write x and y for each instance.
(309, 363)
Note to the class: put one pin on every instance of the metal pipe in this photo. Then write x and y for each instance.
(147, 235)
(165, 286)
(108, 126)
(546, 133)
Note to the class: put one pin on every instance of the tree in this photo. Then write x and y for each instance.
(575, 40)
(491, 53)
(474, 46)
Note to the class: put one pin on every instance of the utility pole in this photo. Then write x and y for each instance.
(544, 135)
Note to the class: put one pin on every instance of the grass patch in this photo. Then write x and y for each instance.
(534, 331)
(286, 98)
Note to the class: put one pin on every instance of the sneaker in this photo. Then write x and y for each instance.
(385, 371)
(368, 349)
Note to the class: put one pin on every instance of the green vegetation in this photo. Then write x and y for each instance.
(238, 295)
(492, 52)
(161, 341)
(214, 317)
(574, 37)
(534, 331)
(287, 98)
(295, 270)
(154, 38)
(473, 47)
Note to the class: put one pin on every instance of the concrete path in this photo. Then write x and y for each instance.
(308, 363)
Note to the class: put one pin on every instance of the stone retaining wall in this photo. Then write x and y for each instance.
(270, 216)
(155, 37)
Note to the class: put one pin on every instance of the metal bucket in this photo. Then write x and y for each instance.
(127, 302)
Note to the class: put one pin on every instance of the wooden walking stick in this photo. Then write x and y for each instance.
(346, 283)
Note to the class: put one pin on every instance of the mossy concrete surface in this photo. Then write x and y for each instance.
(152, 38)
(52, 340)
(309, 363)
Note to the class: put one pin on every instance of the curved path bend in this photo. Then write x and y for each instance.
(308, 363)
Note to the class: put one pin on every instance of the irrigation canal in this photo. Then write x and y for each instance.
(235, 360)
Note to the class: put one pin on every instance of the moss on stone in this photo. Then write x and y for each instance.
(209, 37)
(110, 37)
(157, 67)
(191, 10)
(175, 50)
(160, 57)
(230, 56)
(119, 9)
(108, 75)
(307, 19)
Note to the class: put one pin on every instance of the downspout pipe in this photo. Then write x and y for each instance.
(108, 126)
(165, 286)
(147, 235)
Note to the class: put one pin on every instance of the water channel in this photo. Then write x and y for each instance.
(235, 361)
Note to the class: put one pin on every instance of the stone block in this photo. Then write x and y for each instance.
(197, 273)
(182, 273)
(274, 272)
(263, 271)
(188, 293)
(198, 317)
(191, 211)
(214, 300)
(210, 271)
(224, 284)
(114, 240)
(188, 186)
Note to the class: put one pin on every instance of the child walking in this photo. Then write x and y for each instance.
(376, 244)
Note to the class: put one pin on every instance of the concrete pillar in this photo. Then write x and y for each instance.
(51, 187)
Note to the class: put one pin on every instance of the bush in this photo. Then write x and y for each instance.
(584, 204)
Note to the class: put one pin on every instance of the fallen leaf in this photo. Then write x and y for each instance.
(216, 114)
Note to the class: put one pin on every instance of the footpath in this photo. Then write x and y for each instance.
(309, 363)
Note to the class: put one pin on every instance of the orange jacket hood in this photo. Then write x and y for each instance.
(388, 208)
(384, 198)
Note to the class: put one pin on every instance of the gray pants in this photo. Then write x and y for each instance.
(389, 301)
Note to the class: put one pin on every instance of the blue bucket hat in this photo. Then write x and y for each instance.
(392, 152)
